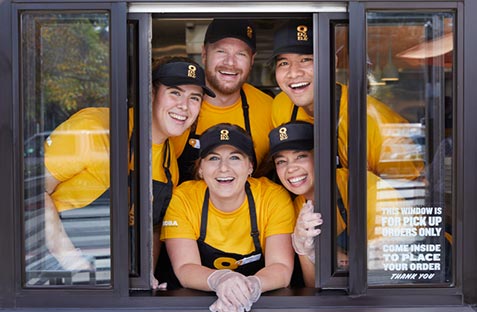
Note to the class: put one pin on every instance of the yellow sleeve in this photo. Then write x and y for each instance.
(77, 154)
(77, 143)
(182, 218)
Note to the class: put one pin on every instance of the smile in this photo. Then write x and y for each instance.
(296, 180)
(228, 73)
(178, 117)
(299, 85)
(225, 180)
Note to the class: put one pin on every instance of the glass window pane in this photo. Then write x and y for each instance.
(65, 98)
(342, 173)
(410, 126)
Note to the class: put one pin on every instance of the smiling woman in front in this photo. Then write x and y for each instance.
(228, 232)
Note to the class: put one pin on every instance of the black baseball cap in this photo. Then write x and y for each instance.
(232, 28)
(294, 135)
(181, 73)
(295, 36)
(226, 134)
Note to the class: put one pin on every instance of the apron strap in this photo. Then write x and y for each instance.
(253, 218)
(246, 119)
(166, 163)
(203, 220)
(294, 113)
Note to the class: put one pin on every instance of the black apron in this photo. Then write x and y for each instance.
(191, 149)
(162, 191)
(217, 259)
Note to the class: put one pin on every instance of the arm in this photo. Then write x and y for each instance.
(234, 291)
(304, 241)
(56, 239)
(308, 270)
(278, 262)
(185, 259)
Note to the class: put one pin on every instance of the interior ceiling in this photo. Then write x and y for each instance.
(407, 45)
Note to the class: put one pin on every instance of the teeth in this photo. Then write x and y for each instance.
(297, 179)
(299, 85)
(227, 73)
(178, 117)
(227, 179)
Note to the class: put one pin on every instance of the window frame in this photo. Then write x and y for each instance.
(357, 100)
(11, 292)
(118, 158)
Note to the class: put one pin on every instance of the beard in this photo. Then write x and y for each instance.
(221, 87)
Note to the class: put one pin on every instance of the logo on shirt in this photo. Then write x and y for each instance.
(170, 223)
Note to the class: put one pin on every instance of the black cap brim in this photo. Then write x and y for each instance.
(293, 49)
(178, 81)
(303, 145)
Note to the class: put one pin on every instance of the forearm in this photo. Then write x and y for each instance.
(58, 242)
(56, 238)
(308, 270)
(276, 275)
(194, 276)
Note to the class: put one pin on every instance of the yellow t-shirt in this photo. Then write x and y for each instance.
(282, 110)
(77, 154)
(260, 112)
(229, 231)
(378, 114)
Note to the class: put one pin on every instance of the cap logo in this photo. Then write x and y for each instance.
(283, 133)
(301, 31)
(224, 135)
(249, 32)
(192, 71)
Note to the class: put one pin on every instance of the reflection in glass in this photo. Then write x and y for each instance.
(65, 99)
(410, 233)
(341, 262)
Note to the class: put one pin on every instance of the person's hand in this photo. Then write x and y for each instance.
(155, 283)
(232, 290)
(303, 238)
(255, 287)
(73, 260)
(220, 306)
(58, 242)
